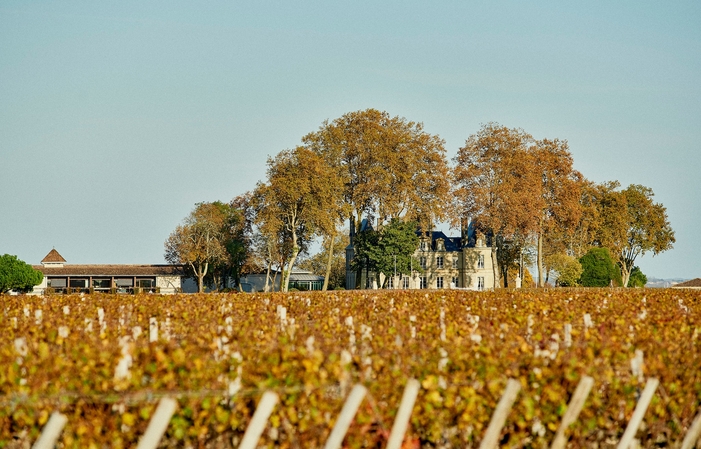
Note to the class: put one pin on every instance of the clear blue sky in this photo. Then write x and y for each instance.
(117, 117)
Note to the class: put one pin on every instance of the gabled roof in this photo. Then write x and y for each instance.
(692, 283)
(53, 257)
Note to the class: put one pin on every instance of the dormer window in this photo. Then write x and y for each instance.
(440, 245)
(424, 245)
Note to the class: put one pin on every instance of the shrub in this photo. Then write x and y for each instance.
(598, 269)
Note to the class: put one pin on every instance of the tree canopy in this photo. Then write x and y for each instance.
(16, 274)
(599, 269)
(390, 167)
(200, 242)
(496, 186)
(387, 250)
(298, 201)
(519, 192)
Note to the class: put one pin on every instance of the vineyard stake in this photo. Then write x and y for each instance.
(51, 431)
(491, 438)
(573, 408)
(346, 417)
(259, 420)
(693, 435)
(158, 424)
(401, 421)
(152, 330)
(638, 413)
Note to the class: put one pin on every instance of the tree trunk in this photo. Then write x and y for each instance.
(266, 288)
(200, 277)
(625, 274)
(539, 258)
(495, 266)
(295, 250)
(328, 262)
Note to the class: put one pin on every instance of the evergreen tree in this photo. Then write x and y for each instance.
(598, 269)
(17, 275)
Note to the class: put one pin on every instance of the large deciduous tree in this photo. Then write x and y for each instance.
(496, 185)
(199, 242)
(390, 168)
(236, 243)
(16, 274)
(630, 224)
(296, 201)
(648, 229)
(560, 192)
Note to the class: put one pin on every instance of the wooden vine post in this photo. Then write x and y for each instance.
(401, 421)
(50, 433)
(259, 420)
(344, 420)
(638, 414)
(491, 437)
(158, 424)
(693, 435)
(573, 408)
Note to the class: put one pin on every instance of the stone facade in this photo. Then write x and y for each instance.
(444, 262)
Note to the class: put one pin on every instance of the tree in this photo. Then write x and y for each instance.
(567, 268)
(296, 200)
(630, 224)
(496, 186)
(511, 255)
(318, 263)
(599, 269)
(578, 239)
(637, 278)
(560, 191)
(390, 168)
(199, 242)
(387, 250)
(236, 245)
(648, 229)
(16, 274)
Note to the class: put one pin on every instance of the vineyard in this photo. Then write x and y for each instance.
(105, 361)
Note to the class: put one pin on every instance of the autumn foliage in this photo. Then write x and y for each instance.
(217, 353)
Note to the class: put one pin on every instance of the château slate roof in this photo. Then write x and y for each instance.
(54, 257)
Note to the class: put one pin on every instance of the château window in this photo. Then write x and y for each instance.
(422, 261)
(480, 261)
(439, 262)
(439, 282)
(455, 282)
(455, 263)
(424, 245)
(390, 282)
(422, 282)
(480, 283)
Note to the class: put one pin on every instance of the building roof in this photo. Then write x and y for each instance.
(692, 283)
(111, 270)
(54, 257)
(305, 277)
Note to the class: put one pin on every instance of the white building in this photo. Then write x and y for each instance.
(62, 277)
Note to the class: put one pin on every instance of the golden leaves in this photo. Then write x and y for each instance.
(461, 380)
